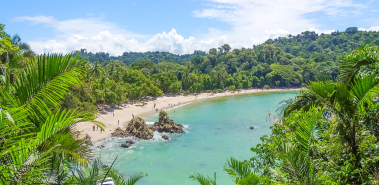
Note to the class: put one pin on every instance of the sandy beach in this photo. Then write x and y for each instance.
(119, 117)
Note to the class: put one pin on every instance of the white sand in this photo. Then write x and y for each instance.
(124, 114)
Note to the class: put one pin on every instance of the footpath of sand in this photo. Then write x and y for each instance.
(124, 113)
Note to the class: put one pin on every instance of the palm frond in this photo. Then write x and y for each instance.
(237, 169)
(203, 180)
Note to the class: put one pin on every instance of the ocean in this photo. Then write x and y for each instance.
(216, 130)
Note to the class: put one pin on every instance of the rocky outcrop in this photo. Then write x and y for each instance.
(251, 127)
(129, 141)
(120, 133)
(125, 145)
(165, 137)
(138, 128)
(165, 124)
(101, 146)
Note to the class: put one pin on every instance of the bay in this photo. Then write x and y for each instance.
(215, 131)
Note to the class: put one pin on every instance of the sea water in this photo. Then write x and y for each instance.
(216, 130)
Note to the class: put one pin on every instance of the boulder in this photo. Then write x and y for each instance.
(165, 124)
(101, 146)
(165, 137)
(251, 127)
(125, 145)
(129, 141)
(138, 128)
(120, 133)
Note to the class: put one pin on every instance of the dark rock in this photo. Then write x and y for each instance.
(251, 127)
(138, 128)
(129, 141)
(165, 137)
(166, 124)
(125, 145)
(120, 133)
(101, 146)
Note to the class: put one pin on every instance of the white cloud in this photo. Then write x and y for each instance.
(373, 28)
(252, 22)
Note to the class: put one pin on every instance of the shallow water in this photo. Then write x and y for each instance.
(216, 130)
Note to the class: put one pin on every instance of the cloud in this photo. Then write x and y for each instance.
(252, 22)
(373, 28)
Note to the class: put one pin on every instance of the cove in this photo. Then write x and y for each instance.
(215, 131)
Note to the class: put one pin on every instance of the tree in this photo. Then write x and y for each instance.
(33, 127)
(347, 100)
(277, 83)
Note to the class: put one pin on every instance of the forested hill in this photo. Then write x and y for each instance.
(130, 57)
(308, 45)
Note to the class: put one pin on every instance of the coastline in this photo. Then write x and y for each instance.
(123, 114)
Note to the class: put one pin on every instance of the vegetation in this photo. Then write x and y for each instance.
(328, 134)
(39, 143)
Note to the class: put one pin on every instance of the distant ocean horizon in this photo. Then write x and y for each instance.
(216, 130)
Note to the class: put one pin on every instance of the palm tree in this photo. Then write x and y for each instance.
(34, 131)
(346, 100)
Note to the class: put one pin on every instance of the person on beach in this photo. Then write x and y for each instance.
(113, 114)
(101, 131)
(154, 105)
(118, 122)
(133, 115)
(97, 128)
(93, 128)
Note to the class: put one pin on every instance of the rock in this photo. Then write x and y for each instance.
(129, 141)
(125, 145)
(120, 133)
(165, 137)
(101, 146)
(138, 128)
(167, 125)
(251, 127)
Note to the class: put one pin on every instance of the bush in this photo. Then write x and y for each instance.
(232, 88)
(209, 91)
(219, 90)
(266, 87)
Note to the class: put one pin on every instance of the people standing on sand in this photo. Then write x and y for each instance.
(97, 127)
(101, 131)
(133, 115)
(113, 114)
(93, 128)
(154, 105)
(118, 122)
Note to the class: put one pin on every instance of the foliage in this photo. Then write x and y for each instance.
(328, 134)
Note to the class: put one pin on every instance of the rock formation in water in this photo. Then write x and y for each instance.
(120, 133)
(165, 124)
(138, 128)
(165, 137)
(129, 141)
(125, 145)
(251, 127)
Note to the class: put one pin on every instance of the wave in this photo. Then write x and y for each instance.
(150, 122)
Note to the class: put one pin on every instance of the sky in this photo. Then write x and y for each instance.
(177, 26)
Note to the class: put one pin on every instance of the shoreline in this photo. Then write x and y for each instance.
(124, 114)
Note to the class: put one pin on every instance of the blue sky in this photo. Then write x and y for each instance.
(178, 26)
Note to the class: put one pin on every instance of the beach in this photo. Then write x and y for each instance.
(116, 117)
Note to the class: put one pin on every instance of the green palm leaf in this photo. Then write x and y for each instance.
(203, 180)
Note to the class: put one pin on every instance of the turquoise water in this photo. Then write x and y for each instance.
(216, 130)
